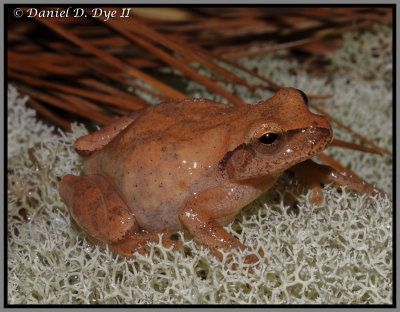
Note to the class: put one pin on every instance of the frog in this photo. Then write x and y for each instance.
(188, 165)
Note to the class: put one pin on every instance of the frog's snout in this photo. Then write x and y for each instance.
(324, 127)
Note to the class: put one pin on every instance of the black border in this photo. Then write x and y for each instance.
(393, 6)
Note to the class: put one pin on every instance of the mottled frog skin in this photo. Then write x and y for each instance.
(187, 165)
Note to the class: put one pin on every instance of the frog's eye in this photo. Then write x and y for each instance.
(267, 140)
(304, 96)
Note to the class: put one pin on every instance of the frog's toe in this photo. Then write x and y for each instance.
(313, 175)
(137, 242)
(176, 244)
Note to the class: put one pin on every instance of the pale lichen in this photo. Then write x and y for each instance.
(337, 252)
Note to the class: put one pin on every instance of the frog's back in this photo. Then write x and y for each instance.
(163, 156)
(181, 119)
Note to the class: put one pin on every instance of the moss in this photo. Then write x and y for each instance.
(336, 252)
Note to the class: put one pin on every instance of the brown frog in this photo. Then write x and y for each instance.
(189, 165)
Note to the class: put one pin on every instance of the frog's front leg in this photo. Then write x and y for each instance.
(203, 214)
(100, 211)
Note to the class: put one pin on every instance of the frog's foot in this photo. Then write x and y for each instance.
(312, 174)
(99, 210)
(137, 242)
(208, 232)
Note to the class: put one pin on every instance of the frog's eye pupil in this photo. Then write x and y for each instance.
(304, 96)
(268, 138)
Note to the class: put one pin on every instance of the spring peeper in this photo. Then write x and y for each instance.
(187, 165)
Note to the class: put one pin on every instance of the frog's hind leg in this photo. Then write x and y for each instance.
(95, 141)
(100, 211)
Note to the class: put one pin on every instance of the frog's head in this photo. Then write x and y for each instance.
(281, 133)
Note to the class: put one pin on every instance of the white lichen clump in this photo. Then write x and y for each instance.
(337, 252)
